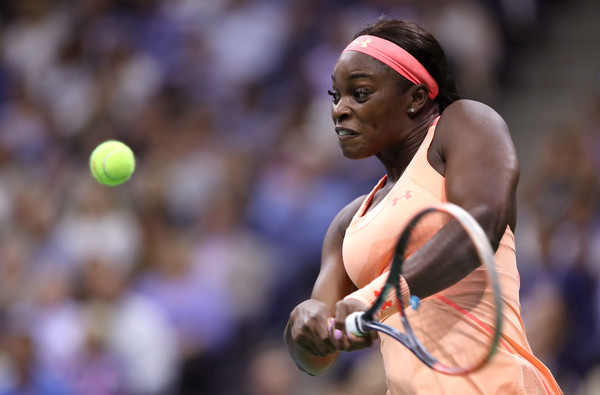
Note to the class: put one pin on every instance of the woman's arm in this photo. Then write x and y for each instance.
(307, 333)
(481, 169)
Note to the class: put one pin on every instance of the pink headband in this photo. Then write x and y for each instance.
(397, 58)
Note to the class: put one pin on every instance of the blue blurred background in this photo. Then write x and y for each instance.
(181, 280)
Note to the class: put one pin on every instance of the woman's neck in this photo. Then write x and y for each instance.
(396, 159)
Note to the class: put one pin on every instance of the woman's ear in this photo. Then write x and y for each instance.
(419, 94)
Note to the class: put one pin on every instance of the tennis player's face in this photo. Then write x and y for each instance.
(367, 106)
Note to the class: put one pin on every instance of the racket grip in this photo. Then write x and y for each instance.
(354, 323)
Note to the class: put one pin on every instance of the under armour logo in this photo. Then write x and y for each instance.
(407, 195)
(363, 44)
(387, 304)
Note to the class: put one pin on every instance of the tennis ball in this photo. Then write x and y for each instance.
(112, 163)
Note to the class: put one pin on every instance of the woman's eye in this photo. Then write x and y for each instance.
(361, 94)
(334, 95)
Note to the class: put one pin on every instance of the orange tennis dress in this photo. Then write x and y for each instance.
(367, 251)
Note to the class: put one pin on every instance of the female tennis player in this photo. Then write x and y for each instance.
(393, 98)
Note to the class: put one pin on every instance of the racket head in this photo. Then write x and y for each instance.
(455, 331)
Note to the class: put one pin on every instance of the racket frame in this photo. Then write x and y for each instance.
(360, 323)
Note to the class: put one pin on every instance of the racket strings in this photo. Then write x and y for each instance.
(456, 326)
(454, 339)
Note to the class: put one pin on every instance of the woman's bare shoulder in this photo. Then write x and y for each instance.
(465, 115)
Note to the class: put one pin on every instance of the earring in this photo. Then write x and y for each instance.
(411, 110)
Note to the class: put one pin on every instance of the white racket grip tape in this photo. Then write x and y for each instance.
(354, 323)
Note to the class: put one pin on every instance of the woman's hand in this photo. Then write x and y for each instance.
(309, 328)
(338, 336)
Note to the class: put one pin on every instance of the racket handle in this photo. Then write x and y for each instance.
(354, 323)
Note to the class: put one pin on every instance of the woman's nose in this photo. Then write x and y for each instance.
(340, 111)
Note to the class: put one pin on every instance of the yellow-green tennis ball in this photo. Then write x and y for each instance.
(112, 163)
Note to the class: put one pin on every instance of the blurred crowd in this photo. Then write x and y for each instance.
(559, 250)
(181, 280)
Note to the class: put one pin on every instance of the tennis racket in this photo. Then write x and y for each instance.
(455, 331)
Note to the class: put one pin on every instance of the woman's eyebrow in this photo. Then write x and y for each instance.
(356, 76)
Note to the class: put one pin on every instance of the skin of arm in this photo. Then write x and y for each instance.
(307, 335)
